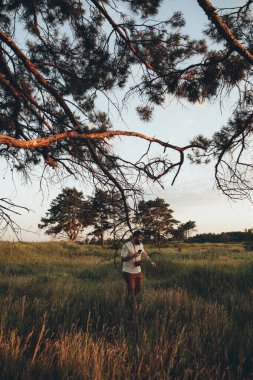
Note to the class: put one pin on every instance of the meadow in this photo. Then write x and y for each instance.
(63, 314)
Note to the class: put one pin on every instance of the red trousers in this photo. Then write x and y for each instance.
(134, 282)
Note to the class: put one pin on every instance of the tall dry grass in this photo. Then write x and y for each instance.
(63, 314)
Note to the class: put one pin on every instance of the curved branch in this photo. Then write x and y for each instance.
(47, 141)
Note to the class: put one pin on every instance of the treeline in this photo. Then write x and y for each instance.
(101, 218)
(224, 237)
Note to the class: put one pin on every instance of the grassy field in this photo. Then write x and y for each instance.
(63, 314)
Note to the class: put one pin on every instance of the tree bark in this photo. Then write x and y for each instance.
(224, 30)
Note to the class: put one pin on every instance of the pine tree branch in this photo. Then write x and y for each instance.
(224, 30)
(118, 29)
(32, 69)
(47, 141)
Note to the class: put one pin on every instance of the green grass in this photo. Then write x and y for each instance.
(63, 314)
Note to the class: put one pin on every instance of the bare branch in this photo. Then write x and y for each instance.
(7, 207)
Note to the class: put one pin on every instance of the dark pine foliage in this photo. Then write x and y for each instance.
(59, 58)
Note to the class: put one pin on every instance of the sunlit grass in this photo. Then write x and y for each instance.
(63, 314)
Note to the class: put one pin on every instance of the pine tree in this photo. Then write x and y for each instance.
(182, 232)
(74, 53)
(102, 212)
(68, 215)
(155, 218)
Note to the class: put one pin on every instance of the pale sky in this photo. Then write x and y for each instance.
(193, 196)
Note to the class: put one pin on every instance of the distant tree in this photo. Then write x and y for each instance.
(68, 215)
(178, 233)
(224, 237)
(108, 213)
(102, 213)
(118, 216)
(206, 238)
(93, 241)
(155, 218)
(187, 227)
